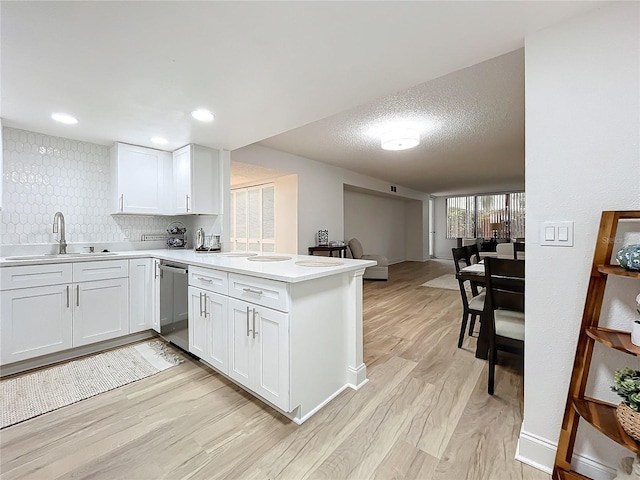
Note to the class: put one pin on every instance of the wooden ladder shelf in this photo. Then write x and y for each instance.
(599, 414)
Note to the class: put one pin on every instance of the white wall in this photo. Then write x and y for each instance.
(320, 191)
(378, 222)
(582, 157)
(443, 245)
(286, 213)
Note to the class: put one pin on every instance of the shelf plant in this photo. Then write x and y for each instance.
(626, 383)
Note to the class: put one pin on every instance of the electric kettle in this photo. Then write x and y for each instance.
(199, 244)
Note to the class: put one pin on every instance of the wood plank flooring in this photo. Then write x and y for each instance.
(424, 414)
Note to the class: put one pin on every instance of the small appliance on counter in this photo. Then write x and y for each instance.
(177, 235)
(206, 243)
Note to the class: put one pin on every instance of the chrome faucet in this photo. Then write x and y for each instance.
(58, 224)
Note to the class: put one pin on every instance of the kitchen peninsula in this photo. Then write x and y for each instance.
(286, 328)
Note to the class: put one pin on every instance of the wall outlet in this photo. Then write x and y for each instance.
(126, 233)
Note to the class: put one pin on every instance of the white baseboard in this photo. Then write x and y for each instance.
(540, 453)
(536, 451)
(357, 377)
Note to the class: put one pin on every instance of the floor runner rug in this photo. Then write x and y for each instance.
(447, 281)
(28, 395)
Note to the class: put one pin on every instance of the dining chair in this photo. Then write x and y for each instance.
(504, 314)
(517, 247)
(470, 308)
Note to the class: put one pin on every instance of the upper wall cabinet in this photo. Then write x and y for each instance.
(196, 180)
(141, 177)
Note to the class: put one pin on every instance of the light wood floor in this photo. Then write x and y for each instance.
(424, 414)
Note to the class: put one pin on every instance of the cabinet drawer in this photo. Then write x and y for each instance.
(269, 293)
(100, 270)
(35, 275)
(209, 279)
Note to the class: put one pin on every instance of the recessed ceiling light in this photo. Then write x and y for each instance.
(160, 140)
(64, 118)
(202, 115)
(400, 139)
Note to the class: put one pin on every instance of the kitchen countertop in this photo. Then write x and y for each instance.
(286, 271)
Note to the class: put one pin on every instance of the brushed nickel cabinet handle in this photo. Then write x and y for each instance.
(201, 304)
(254, 323)
(202, 279)
(206, 299)
(122, 202)
(187, 202)
(250, 290)
(248, 322)
(77, 295)
(68, 296)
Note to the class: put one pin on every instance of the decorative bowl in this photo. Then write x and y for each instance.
(629, 257)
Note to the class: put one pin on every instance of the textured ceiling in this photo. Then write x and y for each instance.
(133, 70)
(471, 124)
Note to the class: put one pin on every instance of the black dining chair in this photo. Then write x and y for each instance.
(504, 314)
(463, 257)
(517, 247)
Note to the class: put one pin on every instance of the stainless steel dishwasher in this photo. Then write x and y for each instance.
(174, 303)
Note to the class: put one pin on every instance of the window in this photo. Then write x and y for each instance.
(501, 214)
(253, 219)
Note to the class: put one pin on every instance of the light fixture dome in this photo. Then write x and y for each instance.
(203, 115)
(400, 139)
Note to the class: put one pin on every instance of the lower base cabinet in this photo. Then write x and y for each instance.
(208, 327)
(101, 310)
(144, 294)
(259, 350)
(35, 321)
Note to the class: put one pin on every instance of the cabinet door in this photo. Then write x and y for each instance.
(182, 180)
(271, 355)
(142, 295)
(240, 342)
(141, 179)
(101, 310)
(199, 327)
(205, 180)
(216, 311)
(35, 321)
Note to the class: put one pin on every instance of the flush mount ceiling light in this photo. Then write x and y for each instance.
(400, 139)
(160, 140)
(64, 118)
(202, 115)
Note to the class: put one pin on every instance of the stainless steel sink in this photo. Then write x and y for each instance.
(52, 256)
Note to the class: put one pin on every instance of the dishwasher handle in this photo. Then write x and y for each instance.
(169, 268)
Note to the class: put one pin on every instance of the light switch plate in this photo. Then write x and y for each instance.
(557, 234)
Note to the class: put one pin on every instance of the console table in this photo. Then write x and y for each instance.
(342, 250)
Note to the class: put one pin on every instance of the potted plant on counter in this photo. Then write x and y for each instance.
(627, 385)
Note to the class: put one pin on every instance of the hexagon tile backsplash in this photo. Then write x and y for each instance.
(43, 174)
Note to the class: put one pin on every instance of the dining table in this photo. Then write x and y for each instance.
(475, 274)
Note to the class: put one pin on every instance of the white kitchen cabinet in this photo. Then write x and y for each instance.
(49, 308)
(141, 179)
(259, 351)
(208, 337)
(101, 310)
(144, 295)
(196, 180)
(35, 321)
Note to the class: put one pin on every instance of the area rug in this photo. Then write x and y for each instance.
(32, 394)
(447, 281)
